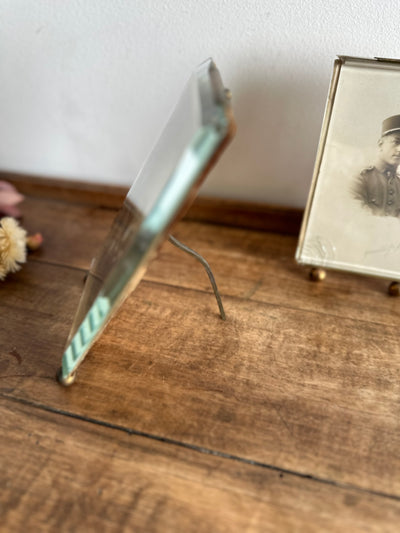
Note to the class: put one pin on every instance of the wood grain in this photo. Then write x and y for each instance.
(258, 266)
(63, 474)
(36, 306)
(73, 233)
(302, 377)
(235, 213)
(320, 399)
(247, 264)
(248, 215)
(76, 192)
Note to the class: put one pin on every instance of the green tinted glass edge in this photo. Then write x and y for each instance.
(116, 288)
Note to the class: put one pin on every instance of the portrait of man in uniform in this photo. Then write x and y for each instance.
(352, 218)
(378, 186)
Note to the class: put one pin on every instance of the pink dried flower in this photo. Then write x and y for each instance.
(9, 198)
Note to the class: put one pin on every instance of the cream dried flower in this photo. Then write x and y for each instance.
(12, 246)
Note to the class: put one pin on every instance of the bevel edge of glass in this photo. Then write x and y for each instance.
(337, 69)
(207, 138)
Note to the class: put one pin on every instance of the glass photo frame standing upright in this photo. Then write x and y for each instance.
(198, 130)
(352, 218)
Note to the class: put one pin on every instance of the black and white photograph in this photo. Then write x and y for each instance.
(352, 220)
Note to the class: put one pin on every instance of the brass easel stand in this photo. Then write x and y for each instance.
(71, 377)
(201, 259)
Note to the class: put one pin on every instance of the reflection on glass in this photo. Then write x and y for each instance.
(194, 136)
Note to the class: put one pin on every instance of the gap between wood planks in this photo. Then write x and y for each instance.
(195, 448)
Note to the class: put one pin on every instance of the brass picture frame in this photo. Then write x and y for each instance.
(352, 217)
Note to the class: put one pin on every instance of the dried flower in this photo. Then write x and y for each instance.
(9, 198)
(12, 246)
(34, 242)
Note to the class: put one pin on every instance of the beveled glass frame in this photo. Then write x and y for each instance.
(197, 132)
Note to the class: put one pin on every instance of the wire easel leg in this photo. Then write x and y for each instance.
(201, 259)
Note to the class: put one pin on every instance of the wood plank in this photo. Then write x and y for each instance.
(61, 474)
(73, 233)
(236, 213)
(36, 305)
(248, 215)
(78, 192)
(260, 266)
(302, 376)
(298, 390)
(247, 264)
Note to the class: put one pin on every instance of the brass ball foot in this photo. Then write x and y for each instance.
(69, 380)
(317, 274)
(394, 289)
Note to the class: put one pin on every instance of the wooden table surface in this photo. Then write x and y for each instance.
(283, 418)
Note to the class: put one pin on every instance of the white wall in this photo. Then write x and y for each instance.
(85, 85)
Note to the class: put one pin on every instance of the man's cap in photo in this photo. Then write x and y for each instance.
(390, 125)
